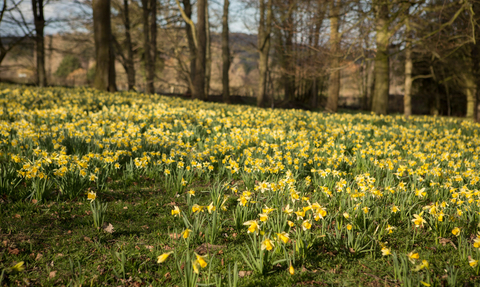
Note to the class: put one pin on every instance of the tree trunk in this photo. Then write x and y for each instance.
(208, 53)
(150, 42)
(470, 90)
(130, 68)
(191, 44)
(334, 80)
(225, 53)
(39, 20)
(382, 69)
(370, 85)
(264, 31)
(199, 91)
(105, 70)
(407, 98)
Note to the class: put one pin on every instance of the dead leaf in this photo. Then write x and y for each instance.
(175, 235)
(87, 239)
(125, 207)
(136, 247)
(149, 247)
(444, 241)
(39, 256)
(145, 227)
(52, 274)
(167, 276)
(18, 216)
(13, 251)
(351, 250)
(69, 232)
(242, 273)
(207, 247)
(34, 201)
(5, 242)
(108, 228)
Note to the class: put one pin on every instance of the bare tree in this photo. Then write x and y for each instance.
(20, 23)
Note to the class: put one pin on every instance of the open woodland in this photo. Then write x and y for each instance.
(147, 145)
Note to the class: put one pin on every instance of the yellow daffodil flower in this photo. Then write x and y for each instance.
(175, 211)
(267, 244)
(163, 257)
(284, 237)
(253, 226)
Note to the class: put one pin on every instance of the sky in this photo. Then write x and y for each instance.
(240, 18)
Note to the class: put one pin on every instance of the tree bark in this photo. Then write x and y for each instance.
(407, 98)
(382, 69)
(334, 79)
(39, 21)
(208, 52)
(470, 89)
(225, 54)
(130, 68)
(149, 8)
(199, 84)
(264, 31)
(105, 65)
(187, 5)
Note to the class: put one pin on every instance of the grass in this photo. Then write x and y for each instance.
(365, 200)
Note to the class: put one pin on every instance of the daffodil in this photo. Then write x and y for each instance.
(412, 256)
(201, 260)
(288, 210)
(210, 208)
(267, 209)
(263, 217)
(386, 251)
(253, 226)
(421, 266)
(163, 257)
(476, 241)
(300, 214)
(175, 211)
(389, 228)
(291, 270)
(418, 220)
(197, 208)
(349, 227)
(186, 233)
(472, 262)
(91, 196)
(196, 266)
(18, 267)
(456, 231)
(283, 237)
(306, 225)
(267, 244)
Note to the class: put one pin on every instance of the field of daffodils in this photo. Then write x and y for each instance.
(288, 188)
